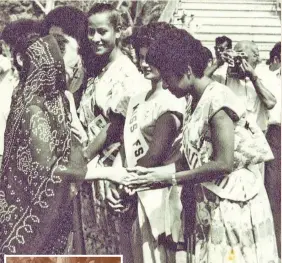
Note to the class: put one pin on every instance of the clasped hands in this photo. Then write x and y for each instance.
(131, 180)
(141, 178)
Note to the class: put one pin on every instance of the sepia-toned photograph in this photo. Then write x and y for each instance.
(140, 131)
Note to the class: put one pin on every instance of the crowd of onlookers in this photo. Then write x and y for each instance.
(152, 149)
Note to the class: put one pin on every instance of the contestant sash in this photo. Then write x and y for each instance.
(240, 185)
(134, 142)
(156, 204)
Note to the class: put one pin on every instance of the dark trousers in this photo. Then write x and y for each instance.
(273, 179)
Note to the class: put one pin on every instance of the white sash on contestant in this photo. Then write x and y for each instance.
(155, 203)
(232, 186)
(134, 142)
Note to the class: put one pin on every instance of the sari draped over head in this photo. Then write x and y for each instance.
(35, 202)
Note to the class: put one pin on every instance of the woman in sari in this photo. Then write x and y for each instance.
(39, 161)
(35, 199)
(233, 217)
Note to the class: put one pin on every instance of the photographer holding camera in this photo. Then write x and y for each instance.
(251, 88)
(219, 67)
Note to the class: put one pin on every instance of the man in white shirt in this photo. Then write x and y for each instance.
(252, 89)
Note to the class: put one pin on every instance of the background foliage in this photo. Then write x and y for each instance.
(141, 12)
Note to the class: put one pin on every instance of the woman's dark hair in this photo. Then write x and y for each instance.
(175, 50)
(71, 20)
(19, 35)
(222, 39)
(208, 53)
(74, 23)
(114, 15)
(144, 36)
(15, 30)
(275, 52)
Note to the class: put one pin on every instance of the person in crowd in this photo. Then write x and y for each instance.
(253, 89)
(210, 57)
(37, 144)
(273, 136)
(274, 61)
(40, 160)
(102, 112)
(14, 30)
(68, 20)
(72, 22)
(250, 85)
(153, 123)
(222, 44)
(233, 216)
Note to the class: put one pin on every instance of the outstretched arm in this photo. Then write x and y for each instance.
(45, 154)
(222, 132)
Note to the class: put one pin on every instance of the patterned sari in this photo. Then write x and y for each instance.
(35, 202)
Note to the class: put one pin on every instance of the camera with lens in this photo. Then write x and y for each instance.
(234, 60)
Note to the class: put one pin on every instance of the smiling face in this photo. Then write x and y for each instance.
(102, 34)
(150, 72)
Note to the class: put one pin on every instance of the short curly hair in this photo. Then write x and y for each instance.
(275, 52)
(223, 39)
(17, 29)
(175, 50)
(72, 20)
(143, 36)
